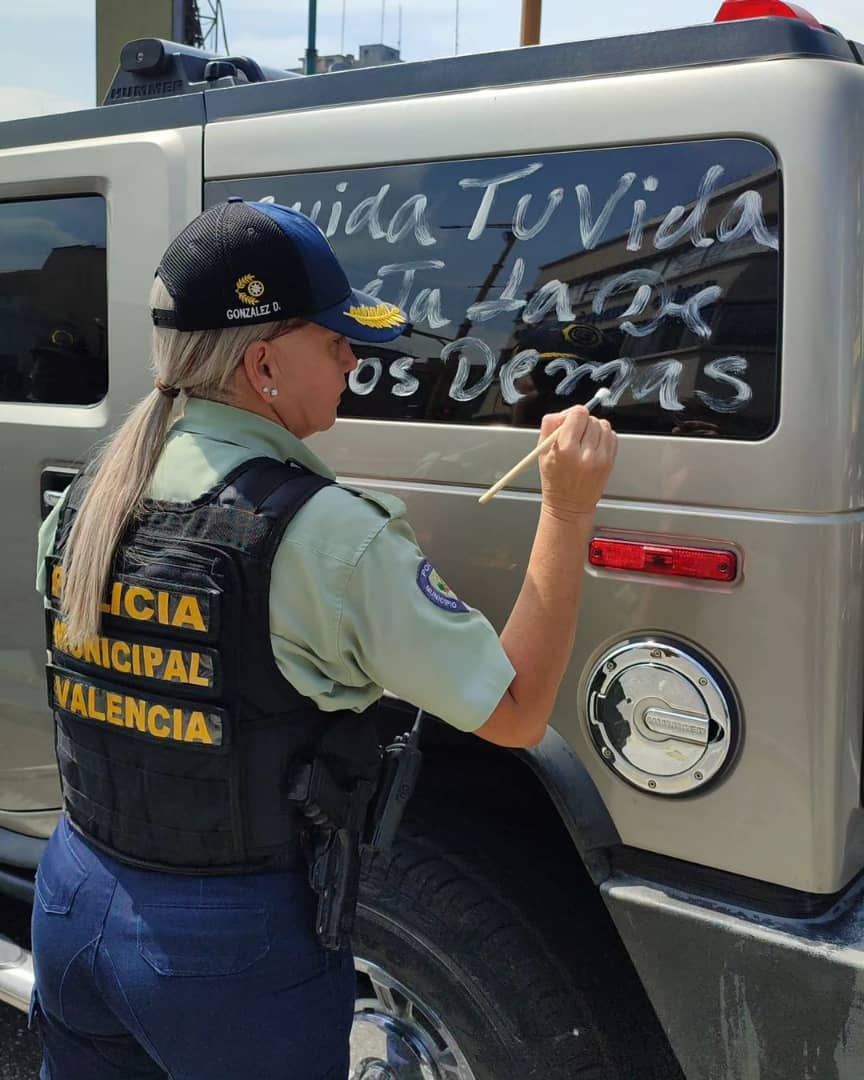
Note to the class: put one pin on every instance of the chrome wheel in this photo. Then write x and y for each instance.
(396, 1036)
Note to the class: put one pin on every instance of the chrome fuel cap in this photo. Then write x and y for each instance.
(661, 715)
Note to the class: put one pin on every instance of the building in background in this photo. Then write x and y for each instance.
(375, 55)
(190, 22)
(369, 56)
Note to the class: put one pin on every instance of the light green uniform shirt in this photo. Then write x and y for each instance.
(349, 614)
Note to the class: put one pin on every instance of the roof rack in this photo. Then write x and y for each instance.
(662, 50)
(160, 89)
(153, 68)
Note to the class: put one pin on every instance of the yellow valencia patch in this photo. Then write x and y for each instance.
(380, 317)
(75, 695)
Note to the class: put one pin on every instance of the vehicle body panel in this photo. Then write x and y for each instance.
(151, 183)
(788, 631)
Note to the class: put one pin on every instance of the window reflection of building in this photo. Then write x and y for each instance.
(744, 319)
(54, 329)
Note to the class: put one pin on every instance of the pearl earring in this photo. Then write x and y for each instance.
(271, 390)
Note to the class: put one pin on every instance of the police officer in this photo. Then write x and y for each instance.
(221, 614)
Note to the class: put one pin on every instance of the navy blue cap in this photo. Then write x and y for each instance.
(242, 263)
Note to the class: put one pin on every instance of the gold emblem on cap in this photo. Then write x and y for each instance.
(381, 317)
(249, 289)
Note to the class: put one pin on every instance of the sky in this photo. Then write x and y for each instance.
(47, 49)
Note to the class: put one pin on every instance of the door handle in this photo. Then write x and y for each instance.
(53, 484)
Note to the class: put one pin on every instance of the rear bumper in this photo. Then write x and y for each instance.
(741, 994)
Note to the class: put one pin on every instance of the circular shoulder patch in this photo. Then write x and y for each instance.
(436, 589)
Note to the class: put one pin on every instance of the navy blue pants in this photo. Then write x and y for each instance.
(145, 975)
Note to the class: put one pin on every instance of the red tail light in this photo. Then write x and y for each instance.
(732, 10)
(708, 564)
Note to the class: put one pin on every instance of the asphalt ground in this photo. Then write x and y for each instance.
(19, 1048)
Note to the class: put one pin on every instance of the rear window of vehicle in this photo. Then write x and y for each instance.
(532, 280)
(53, 301)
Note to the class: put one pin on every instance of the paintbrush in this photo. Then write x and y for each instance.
(529, 459)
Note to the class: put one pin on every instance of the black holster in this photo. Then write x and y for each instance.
(334, 874)
(342, 822)
(332, 838)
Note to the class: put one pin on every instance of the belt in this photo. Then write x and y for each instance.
(290, 857)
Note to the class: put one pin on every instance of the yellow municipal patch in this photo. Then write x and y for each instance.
(135, 714)
(188, 666)
(380, 317)
(186, 611)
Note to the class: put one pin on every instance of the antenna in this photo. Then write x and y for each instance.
(399, 42)
(383, 6)
(342, 39)
(456, 51)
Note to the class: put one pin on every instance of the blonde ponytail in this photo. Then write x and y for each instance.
(198, 363)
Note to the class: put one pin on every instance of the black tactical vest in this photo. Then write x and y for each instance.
(175, 729)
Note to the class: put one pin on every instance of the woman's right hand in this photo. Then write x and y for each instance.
(539, 634)
(574, 470)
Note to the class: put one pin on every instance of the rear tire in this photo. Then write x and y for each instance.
(455, 983)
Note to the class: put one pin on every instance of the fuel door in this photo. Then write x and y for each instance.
(661, 715)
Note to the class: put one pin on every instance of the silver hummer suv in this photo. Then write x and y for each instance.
(671, 884)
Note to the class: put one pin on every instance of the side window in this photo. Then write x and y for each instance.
(53, 301)
(530, 280)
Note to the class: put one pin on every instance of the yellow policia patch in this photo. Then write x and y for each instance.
(130, 658)
(381, 317)
(142, 604)
(148, 718)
